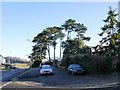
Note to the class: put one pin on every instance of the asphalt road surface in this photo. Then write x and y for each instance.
(9, 74)
(61, 80)
(33, 87)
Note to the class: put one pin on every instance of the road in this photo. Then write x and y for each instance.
(24, 86)
(9, 74)
(62, 80)
(6, 76)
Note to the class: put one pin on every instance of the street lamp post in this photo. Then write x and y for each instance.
(60, 46)
(29, 45)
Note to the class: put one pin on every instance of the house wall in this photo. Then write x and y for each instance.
(2, 60)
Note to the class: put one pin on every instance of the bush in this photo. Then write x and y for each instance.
(91, 63)
(65, 62)
(36, 64)
(118, 67)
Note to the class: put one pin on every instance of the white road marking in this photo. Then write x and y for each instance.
(5, 84)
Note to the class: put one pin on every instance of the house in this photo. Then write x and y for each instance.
(99, 49)
(56, 62)
(2, 60)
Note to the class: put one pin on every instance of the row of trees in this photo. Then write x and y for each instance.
(49, 36)
(72, 41)
(75, 44)
(101, 62)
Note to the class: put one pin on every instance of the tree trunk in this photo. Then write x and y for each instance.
(54, 56)
(60, 48)
(49, 53)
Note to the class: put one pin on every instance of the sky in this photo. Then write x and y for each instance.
(119, 11)
(22, 21)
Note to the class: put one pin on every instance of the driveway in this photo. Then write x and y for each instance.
(63, 79)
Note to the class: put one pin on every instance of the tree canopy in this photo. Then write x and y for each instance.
(111, 33)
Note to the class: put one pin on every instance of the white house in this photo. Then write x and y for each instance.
(2, 60)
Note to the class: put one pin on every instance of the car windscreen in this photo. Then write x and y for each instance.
(46, 67)
(76, 67)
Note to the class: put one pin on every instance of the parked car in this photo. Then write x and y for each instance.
(46, 69)
(13, 67)
(75, 69)
(10, 66)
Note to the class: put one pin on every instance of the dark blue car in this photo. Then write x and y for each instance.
(75, 69)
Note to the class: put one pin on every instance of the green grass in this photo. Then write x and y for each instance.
(21, 65)
(18, 65)
(3, 68)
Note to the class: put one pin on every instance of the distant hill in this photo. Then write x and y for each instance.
(10, 59)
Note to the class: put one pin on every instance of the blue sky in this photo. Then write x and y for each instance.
(22, 21)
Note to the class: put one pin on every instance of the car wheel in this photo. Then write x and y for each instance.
(83, 73)
(72, 73)
(68, 72)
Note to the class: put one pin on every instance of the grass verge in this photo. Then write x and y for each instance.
(21, 65)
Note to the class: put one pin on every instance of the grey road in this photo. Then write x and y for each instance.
(6, 76)
(35, 86)
(9, 74)
(62, 80)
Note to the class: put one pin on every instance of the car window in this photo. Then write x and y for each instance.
(46, 67)
(74, 66)
(77, 66)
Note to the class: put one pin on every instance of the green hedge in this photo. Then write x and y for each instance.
(36, 64)
(91, 63)
(118, 67)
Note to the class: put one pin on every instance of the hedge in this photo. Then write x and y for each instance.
(91, 63)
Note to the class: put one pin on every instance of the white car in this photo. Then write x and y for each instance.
(46, 69)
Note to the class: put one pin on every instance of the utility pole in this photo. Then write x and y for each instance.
(60, 47)
(30, 45)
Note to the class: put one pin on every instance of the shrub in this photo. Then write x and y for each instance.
(36, 64)
(65, 61)
(118, 67)
(91, 63)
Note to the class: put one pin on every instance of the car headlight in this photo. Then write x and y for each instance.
(74, 70)
(41, 71)
(50, 70)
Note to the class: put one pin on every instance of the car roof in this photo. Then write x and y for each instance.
(74, 64)
(45, 65)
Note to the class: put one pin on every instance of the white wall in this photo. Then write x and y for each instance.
(2, 60)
